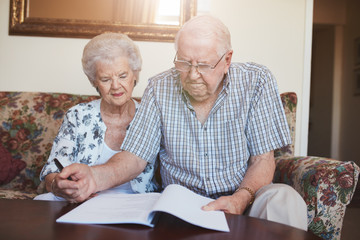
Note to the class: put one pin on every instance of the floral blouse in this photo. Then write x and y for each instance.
(81, 139)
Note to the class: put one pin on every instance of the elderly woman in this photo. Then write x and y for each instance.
(93, 132)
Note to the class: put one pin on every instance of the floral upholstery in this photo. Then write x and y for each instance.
(29, 121)
(289, 101)
(28, 124)
(327, 185)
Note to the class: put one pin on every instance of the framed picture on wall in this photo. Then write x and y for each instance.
(357, 52)
(357, 82)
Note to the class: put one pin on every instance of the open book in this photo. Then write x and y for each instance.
(114, 208)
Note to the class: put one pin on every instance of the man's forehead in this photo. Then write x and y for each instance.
(198, 49)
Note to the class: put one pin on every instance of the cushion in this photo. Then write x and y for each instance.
(9, 167)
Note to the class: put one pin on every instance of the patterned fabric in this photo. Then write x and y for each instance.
(16, 194)
(289, 101)
(9, 167)
(326, 185)
(28, 124)
(81, 139)
(211, 159)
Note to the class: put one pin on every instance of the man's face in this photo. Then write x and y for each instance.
(202, 86)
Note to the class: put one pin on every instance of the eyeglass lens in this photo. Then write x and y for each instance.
(185, 66)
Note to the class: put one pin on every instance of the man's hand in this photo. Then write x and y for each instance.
(86, 181)
(234, 204)
(260, 172)
(80, 188)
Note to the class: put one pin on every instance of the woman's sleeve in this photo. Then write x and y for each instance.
(64, 146)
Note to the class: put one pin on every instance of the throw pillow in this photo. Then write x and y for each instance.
(9, 167)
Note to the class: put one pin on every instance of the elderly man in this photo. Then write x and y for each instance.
(214, 124)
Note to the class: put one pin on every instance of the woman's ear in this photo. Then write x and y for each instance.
(97, 89)
(95, 85)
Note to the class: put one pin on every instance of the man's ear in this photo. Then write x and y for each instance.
(228, 58)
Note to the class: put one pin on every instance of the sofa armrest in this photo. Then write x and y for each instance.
(327, 186)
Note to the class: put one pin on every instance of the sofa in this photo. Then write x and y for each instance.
(29, 121)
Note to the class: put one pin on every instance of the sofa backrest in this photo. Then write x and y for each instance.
(29, 122)
(289, 101)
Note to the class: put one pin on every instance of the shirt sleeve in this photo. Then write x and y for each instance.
(144, 135)
(267, 128)
(64, 145)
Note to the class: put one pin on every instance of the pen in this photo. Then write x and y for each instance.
(60, 166)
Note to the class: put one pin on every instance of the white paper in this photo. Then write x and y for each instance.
(113, 208)
(185, 204)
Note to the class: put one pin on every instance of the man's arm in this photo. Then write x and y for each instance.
(121, 168)
(259, 173)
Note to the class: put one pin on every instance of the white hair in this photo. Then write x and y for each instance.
(106, 47)
(207, 26)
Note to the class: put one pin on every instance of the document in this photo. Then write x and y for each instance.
(110, 207)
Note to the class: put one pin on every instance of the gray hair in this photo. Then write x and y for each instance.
(207, 26)
(106, 47)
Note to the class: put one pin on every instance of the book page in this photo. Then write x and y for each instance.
(185, 204)
(113, 208)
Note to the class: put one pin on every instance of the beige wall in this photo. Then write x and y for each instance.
(274, 33)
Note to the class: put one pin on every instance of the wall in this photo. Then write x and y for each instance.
(274, 33)
(319, 142)
(344, 17)
(329, 12)
(350, 118)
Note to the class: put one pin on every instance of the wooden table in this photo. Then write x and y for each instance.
(28, 219)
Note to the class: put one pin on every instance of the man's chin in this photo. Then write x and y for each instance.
(198, 97)
(197, 94)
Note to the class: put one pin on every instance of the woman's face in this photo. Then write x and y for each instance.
(115, 81)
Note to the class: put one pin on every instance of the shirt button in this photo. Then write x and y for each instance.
(206, 154)
(205, 128)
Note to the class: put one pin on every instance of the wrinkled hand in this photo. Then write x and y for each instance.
(234, 204)
(80, 188)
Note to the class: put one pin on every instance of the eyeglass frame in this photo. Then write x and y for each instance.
(199, 64)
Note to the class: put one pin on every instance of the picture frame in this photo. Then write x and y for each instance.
(357, 82)
(23, 24)
(357, 52)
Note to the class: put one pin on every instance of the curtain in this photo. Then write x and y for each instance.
(135, 11)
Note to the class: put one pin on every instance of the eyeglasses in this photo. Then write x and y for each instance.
(202, 68)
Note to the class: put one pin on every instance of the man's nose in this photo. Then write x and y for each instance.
(194, 72)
